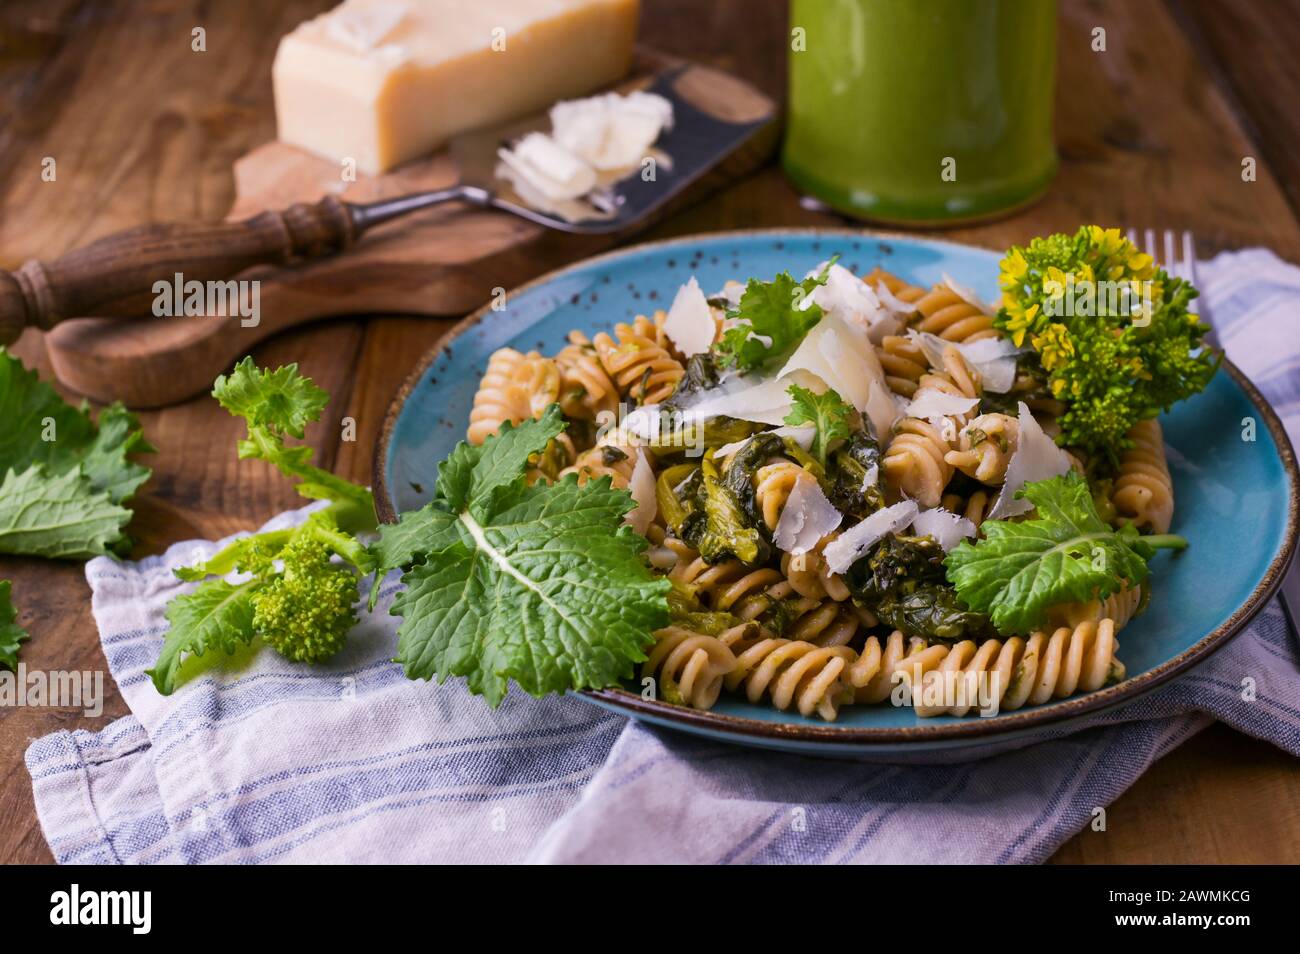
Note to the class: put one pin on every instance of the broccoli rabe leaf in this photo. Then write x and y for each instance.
(57, 515)
(280, 403)
(854, 476)
(540, 584)
(771, 321)
(105, 460)
(827, 412)
(217, 615)
(11, 634)
(470, 474)
(68, 469)
(1065, 552)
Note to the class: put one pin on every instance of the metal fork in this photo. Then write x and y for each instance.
(1288, 593)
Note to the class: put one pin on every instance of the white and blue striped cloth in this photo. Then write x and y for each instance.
(353, 763)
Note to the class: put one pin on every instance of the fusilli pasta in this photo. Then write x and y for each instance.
(945, 313)
(1144, 491)
(639, 365)
(514, 388)
(690, 666)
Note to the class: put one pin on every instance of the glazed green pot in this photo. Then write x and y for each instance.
(922, 112)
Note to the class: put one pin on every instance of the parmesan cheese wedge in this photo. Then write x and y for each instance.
(379, 82)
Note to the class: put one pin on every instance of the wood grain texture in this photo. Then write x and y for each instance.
(1146, 136)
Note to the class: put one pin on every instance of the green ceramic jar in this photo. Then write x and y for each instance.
(922, 112)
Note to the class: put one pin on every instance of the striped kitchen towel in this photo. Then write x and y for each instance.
(264, 761)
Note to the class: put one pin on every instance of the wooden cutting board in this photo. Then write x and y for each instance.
(445, 261)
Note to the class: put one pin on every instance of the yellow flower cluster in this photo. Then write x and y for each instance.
(1093, 254)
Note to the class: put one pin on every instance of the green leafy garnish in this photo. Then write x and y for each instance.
(1078, 301)
(771, 321)
(217, 615)
(299, 599)
(1064, 553)
(11, 634)
(63, 476)
(826, 411)
(280, 403)
(541, 584)
(60, 516)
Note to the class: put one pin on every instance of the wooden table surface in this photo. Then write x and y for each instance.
(1152, 132)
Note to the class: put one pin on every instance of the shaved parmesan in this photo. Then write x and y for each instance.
(642, 487)
(993, 358)
(801, 434)
(852, 300)
(933, 405)
(843, 358)
(538, 162)
(1036, 458)
(967, 294)
(892, 302)
(882, 412)
(871, 477)
(845, 550)
(689, 324)
(946, 527)
(611, 131)
(806, 517)
(766, 402)
(731, 293)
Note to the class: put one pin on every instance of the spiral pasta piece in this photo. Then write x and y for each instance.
(946, 314)
(766, 596)
(514, 388)
(871, 675)
(985, 446)
(691, 666)
(1144, 491)
(585, 389)
(793, 672)
(605, 460)
(1017, 672)
(903, 363)
(774, 482)
(639, 365)
(1120, 607)
(809, 575)
(915, 463)
(955, 377)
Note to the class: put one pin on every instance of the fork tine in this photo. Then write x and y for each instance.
(1132, 235)
(1149, 244)
(1189, 265)
(1171, 260)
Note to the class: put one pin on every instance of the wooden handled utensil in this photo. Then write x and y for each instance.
(116, 275)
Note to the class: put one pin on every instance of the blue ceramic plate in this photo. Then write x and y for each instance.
(1236, 500)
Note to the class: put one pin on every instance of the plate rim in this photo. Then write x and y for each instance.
(696, 721)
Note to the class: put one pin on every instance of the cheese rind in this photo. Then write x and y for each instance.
(384, 81)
